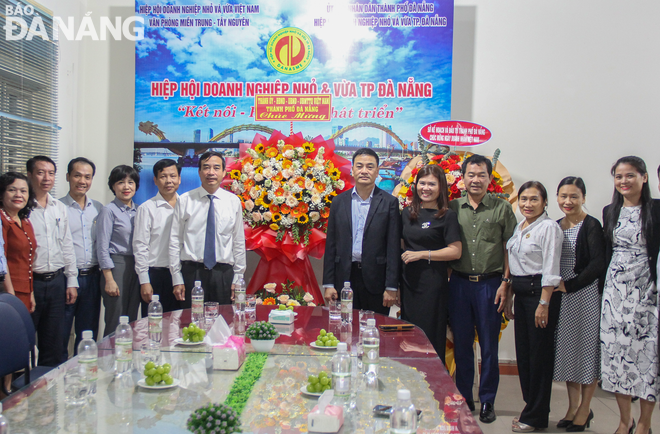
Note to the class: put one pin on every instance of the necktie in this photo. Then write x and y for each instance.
(209, 241)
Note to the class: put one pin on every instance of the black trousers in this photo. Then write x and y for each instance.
(362, 299)
(48, 319)
(161, 282)
(216, 281)
(535, 349)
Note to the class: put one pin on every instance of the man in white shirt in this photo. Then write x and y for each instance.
(207, 243)
(83, 212)
(151, 234)
(54, 259)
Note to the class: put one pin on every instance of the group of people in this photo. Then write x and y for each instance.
(61, 257)
(584, 298)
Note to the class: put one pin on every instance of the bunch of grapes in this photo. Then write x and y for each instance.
(158, 375)
(319, 384)
(192, 333)
(325, 339)
(284, 307)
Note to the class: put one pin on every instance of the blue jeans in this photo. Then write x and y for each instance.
(48, 318)
(85, 310)
(472, 305)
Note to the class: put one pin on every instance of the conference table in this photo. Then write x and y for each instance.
(277, 403)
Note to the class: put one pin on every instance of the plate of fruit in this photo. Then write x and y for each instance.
(317, 384)
(157, 377)
(192, 335)
(325, 341)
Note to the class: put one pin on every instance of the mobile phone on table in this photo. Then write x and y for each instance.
(386, 410)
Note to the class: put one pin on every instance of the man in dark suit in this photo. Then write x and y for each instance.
(363, 244)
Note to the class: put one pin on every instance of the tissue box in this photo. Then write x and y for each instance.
(281, 316)
(329, 421)
(230, 355)
(284, 329)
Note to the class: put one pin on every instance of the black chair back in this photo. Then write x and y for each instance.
(14, 343)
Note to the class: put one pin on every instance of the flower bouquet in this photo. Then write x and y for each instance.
(451, 164)
(286, 185)
(290, 295)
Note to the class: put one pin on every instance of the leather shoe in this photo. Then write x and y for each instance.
(470, 405)
(487, 414)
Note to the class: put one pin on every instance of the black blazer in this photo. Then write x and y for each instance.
(381, 243)
(589, 256)
(652, 245)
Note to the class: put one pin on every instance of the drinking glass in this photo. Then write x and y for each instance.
(251, 306)
(334, 307)
(211, 309)
(149, 352)
(364, 316)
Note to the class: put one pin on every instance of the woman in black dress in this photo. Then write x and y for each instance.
(430, 238)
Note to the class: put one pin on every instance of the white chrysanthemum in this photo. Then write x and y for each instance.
(268, 183)
(278, 200)
(244, 177)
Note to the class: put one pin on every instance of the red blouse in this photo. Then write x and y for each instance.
(20, 244)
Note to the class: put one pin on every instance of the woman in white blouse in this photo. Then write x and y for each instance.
(534, 255)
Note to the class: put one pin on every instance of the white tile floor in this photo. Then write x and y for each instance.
(509, 403)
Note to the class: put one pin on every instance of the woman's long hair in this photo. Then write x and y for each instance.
(443, 200)
(612, 217)
(8, 179)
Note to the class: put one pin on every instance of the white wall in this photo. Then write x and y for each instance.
(566, 88)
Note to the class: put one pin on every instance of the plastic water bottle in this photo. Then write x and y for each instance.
(403, 419)
(4, 423)
(371, 352)
(88, 357)
(341, 371)
(347, 303)
(155, 319)
(239, 294)
(124, 346)
(197, 299)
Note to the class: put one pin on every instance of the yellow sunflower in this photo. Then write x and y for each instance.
(259, 148)
(274, 226)
(277, 217)
(298, 196)
(303, 219)
(308, 147)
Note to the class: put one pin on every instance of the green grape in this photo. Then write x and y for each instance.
(201, 333)
(325, 339)
(195, 338)
(323, 374)
(318, 387)
(150, 381)
(185, 330)
(149, 365)
(160, 370)
(324, 381)
(313, 379)
(328, 343)
(282, 307)
(311, 388)
(335, 342)
(151, 372)
(322, 332)
(167, 367)
(326, 387)
(330, 335)
(319, 343)
(290, 307)
(157, 378)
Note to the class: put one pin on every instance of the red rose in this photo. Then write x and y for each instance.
(409, 193)
(498, 189)
(491, 188)
(454, 189)
(455, 157)
(437, 157)
(444, 164)
(454, 166)
(414, 171)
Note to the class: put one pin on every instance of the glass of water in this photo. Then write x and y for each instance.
(211, 309)
(335, 309)
(149, 352)
(364, 316)
(75, 388)
(251, 306)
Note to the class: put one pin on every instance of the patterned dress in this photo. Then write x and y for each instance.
(629, 319)
(577, 347)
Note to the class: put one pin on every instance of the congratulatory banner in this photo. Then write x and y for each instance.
(363, 73)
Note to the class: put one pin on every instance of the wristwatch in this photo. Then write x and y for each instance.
(506, 279)
(543, 302)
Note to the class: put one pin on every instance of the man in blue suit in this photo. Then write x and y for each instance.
(363, 242)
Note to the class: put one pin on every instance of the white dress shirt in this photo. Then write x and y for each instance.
(151, 236)
(537, 250)
(189, 231)
(82, 224)
(54, 244)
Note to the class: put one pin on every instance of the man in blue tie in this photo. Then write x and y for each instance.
(207, 242)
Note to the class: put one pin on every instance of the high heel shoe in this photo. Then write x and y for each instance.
(632, 428)
(579, 428)
(564, 423)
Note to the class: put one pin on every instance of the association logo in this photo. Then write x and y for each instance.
(290, 50)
